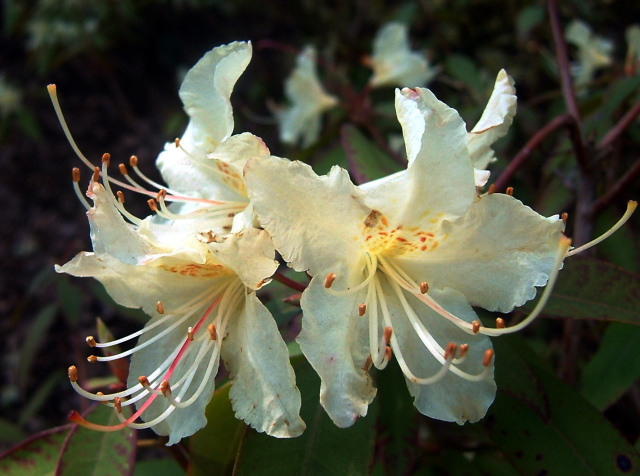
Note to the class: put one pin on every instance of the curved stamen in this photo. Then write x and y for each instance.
(76, 188)
(371, 266)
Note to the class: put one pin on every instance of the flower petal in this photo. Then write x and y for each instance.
(314, 221)
(494, 123)
(263, 393)
(439, 182)
(495, 255)
(206, 92)
(334, 338)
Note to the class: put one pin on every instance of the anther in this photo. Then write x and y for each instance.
(144, 381)
(160, 307)
(120, 196)
(464, 348)
(190, 333)
(424, 287)
(565, 217)
(450, 351)
(500, 323)
(177, 142)
(213, 333)
(152, 204)
(509, 191)
(75, 173)
(106, 157)
(73, 373)
(165, 388)
(388, 353)
(161, 195)
(117, 402)
(475, 326)
(91, 341)
(133, 161)
(328, 281)
(92, 359)
(96, 174)
(488, 357)
(362, 309)
(492, 189)
(387, 334)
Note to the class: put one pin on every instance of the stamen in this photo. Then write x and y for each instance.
(500, 323)
(371, 266)
(362, 309)
(388, 331)
(213, 333)
(159, 307)
(565, 217)
(106, 158)
(123, 169)
(177, 142)
(475, 327)
(144, 381)
(492, 189)
(92, 359)
(152, 204)
(190, 333)
(91, 341)
(96, 174)
(117, 402)
(133, 161)
(73, 373)
(388, 353)
(75, 173)
(120, 196)
(328, 281)
(631, 206)
(509, 191)
(424, 287)
(488, 357)
(464, 349)
(165, 388)
(450, 351)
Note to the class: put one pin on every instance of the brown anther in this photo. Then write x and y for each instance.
(565, 217)
(492, 189)
(73, 373)
(144, 381)
(213, 333)
(123, 169)
(161, 195)
(96, 174)
(387, 334)
(362, 309)
(160, 307)
(91, 341)
(231, 215)
(75, 173)
(133, 161)
(464, 348)
(500, 323)
(475, 326)
(450, 350)
(424, 287)
(509, 191)
(120, 196)
(177, 142)
(100, 394)
(92, 359)
(328, 281)
(117, 403)
(488, 357)
(190, 333)
(106, 157)
(165, 388)
(152, 204)
(388, 353)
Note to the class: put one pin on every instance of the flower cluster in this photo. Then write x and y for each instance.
(397, 264)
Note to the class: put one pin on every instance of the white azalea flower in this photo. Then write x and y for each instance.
(300, 122)
(594, 52)
(397, 268)
(393, 63)
(201, 296)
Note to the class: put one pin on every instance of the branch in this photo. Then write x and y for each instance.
(289, 282)
(528, 148)
(616, 131)
(627, 179)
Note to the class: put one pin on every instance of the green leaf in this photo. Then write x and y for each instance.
(119, 367)
(10, 432)
(573, 439)
(322, 449)
(71, 299)
(36, 455)
(36, 337)
(528, 18)
(592, 289)
(214, 448)
(614, 368)
(158, 467)
(366, 160)
(96, 453)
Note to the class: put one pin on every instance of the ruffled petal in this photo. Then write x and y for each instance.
(207, 88)
(334, 338)
(494, 123)
(495, 255)
(439, 181)
(263, 393)
(315, 222)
